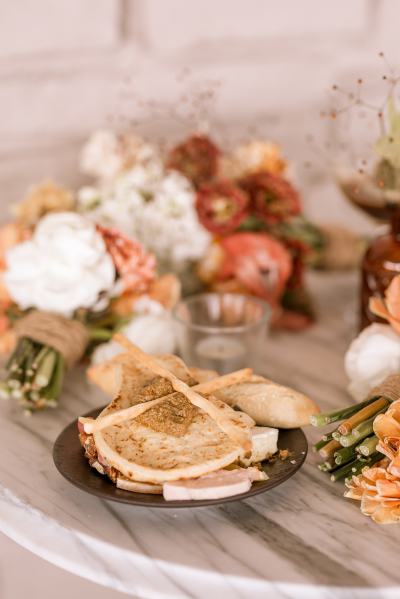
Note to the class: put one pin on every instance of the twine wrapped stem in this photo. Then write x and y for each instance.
(68, 337)
(47, 344)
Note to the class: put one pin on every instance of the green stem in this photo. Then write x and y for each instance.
(329, 449)
(100, 334)
(346, 470)
(45, 369)
(329, 417)
(342, 456)
(322, 466)
(320, 444)
(366, 427)
(52, 392)
(368, 446)
(328, 436)
(354, 468)
(364, 430)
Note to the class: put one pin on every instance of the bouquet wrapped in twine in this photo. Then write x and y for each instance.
(67, 285)
(363, 449)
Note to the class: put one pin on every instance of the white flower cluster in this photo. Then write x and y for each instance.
(155, 206)
(106, 154)
(63, 267)
(371, 357)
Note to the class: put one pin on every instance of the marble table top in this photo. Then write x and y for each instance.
(302, 539)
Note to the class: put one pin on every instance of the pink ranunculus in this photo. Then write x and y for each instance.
(135, 267)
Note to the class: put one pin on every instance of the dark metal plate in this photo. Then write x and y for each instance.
(69, 459)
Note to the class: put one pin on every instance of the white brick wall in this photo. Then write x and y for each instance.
(34, 26)
(68, 66)
(177, 25)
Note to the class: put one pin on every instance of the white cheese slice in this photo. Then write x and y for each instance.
(265, 444)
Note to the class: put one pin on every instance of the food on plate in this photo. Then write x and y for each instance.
(270, 404)
(265, 443)
(266, 402)
(107, 374)
(166, 432)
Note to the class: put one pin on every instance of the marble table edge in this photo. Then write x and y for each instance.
(18, 519)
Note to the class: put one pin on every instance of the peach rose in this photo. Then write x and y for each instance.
(165, 290)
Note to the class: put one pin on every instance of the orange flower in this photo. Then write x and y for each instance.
(378, 491)
(378, 488)
(389, 308)
(166, 291)
(387, 429)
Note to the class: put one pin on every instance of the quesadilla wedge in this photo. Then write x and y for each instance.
(173, 432)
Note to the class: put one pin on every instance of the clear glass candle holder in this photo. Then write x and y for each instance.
(221, 331)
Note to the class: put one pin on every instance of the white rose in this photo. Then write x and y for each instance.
(63, 267)
(371, 357)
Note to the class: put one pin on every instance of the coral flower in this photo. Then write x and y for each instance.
(387, 429)
(196, 158)
(135, 267)
(378, 488)
(389, 308)
(379, 493)
(252, 262)
(273, 198)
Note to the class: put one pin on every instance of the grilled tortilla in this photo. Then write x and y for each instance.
(170, 437)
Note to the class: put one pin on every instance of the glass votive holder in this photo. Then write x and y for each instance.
(221, 331)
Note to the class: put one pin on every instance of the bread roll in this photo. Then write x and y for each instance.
(270, 404)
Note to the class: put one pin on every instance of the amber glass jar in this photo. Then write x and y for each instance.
(380, 264)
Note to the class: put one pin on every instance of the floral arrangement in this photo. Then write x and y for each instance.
(364, 449)
(261, 241)
(135, 192)
(67, 285)
(234, 220)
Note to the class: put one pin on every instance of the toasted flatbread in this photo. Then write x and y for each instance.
(136, 487)
(202, 376)
(107, 375)
(145, 455)
(180, 435)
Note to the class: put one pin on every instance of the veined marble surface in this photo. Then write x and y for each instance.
(301, 540)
